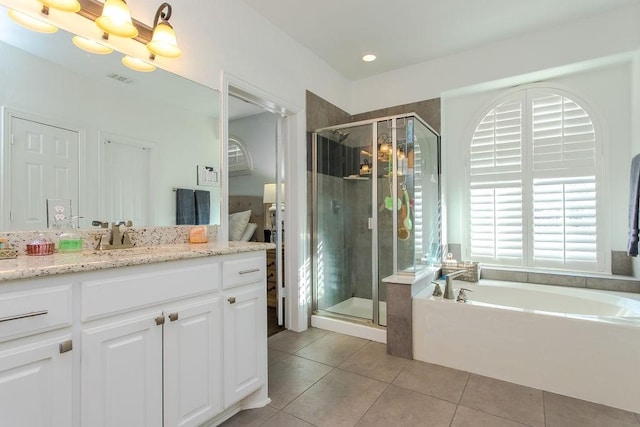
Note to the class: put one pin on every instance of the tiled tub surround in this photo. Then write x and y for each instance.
(594, 281)
(572, 351)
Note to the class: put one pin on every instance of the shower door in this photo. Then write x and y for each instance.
(344, 218)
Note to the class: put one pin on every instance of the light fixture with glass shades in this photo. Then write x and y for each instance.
(369, 57)
(91, 46)
(116, 19)
(163, 42)
(32, 23)
(63, 5)
(111, 18)
(138, 64)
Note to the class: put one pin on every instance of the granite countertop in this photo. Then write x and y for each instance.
(25, 266)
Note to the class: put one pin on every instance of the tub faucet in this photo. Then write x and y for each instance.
(448, 288)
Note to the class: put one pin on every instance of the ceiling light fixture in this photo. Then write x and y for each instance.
(369, 57)
(91, 46)
(138, 64)
(163, 42)
(63, 5)
(112, 18)
(116, 19)
(33, 24)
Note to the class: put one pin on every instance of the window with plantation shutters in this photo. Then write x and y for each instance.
(239, 158)
(533, 181)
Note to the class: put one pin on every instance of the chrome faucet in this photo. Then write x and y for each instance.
(448, 288)
(117, 238)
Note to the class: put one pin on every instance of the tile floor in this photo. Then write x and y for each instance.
(320, 378)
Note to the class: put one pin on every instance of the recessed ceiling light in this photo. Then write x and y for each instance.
(369, 57)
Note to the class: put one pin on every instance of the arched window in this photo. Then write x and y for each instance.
(239, 157)
(533, 179)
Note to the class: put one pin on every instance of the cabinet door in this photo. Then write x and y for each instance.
(122, 373)
(192, 362)
(245, 341)
(35, 384)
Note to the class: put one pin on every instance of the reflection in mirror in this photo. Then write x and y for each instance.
(85, 128)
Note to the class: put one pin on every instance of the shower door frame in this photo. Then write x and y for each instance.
(372, 224)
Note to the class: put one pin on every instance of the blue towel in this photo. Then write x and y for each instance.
(634, 206)
(185, 207)
(203, 207)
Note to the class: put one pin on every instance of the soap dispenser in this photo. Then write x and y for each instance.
(71, 240)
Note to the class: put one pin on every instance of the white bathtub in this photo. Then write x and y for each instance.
(577, 342)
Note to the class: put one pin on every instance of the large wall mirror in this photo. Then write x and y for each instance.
(116, 142)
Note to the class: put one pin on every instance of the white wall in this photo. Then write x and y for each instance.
(593, 38)
(217, 35)
(183, 138)
(605, 89)
(259, 134)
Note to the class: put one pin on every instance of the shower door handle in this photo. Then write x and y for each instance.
(370, 223)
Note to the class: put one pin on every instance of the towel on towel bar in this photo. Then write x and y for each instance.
(634, 206)
(203, 207)
(185, 206)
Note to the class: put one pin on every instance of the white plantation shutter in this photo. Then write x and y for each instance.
(239, 158)
(496, 185)
(564, 220)
(496, 220)
(533, 183)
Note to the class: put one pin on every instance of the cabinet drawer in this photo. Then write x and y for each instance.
(107, 296)
(37, 310)
(242, 271)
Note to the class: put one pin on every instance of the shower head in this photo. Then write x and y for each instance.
(341, 136)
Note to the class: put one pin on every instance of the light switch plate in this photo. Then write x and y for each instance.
(207, 176)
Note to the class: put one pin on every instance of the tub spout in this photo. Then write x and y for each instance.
(448, 288)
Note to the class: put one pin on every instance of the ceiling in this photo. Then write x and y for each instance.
(407, 32)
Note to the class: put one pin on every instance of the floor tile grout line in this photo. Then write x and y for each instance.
(466, 383)
(387, 385)
(544, 407)
(454, 415)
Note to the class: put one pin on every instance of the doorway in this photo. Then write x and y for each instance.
(44, 164)
(256, 182)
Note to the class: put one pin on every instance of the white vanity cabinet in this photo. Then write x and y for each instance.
(35, 355)
(245, 328)
(181, 343)
(151, 345)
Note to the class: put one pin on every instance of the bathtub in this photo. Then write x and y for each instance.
(576, 342)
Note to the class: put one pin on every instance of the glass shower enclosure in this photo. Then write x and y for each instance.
(376, 212)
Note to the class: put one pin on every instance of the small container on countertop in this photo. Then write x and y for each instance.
(198, 234)
(41, 246)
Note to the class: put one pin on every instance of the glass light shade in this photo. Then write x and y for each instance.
(137, 64)
(163, 42)
(91, 45)
(63, 5)
(32, 23)
(116, 19)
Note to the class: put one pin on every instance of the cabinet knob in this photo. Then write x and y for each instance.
(173, 316)
(159, 320)
(232, 300)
